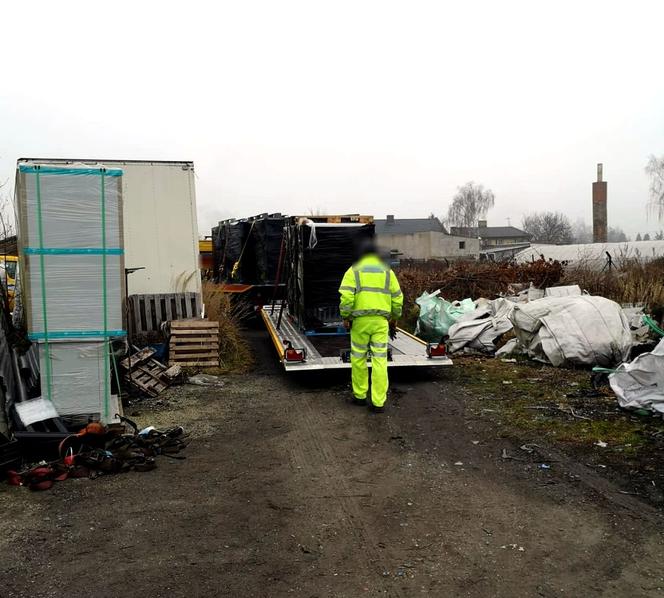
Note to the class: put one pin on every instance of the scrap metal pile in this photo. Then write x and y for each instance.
(100, 450)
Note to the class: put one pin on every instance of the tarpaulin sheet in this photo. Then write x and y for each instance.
(480, 328)
(574, 330)
(640, 384)
(437, 315)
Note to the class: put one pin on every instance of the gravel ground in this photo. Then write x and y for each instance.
(288, 490)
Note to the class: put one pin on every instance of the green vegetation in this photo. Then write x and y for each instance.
(526, 399)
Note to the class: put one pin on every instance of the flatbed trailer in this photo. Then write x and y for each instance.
(319, 350)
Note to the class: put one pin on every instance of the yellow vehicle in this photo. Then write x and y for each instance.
(8, 267)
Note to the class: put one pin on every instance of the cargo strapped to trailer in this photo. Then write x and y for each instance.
(302, 351)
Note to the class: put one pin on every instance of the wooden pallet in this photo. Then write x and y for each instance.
(194, 343)
(147, 374)
(148, 312)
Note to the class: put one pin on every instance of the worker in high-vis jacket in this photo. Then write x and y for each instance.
(371, 303)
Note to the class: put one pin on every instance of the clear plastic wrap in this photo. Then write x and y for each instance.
(71, 249)
(78, 384)
(70, 237)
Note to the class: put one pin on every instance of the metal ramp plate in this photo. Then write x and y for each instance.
(407, 350)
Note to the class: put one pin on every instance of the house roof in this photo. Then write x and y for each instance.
(408, 226)
(491, 232)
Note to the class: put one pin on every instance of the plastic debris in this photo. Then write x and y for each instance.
(205, 380)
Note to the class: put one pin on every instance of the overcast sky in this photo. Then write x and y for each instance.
(372, 107)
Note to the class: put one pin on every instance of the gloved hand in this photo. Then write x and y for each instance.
(393, 329)
(347, 324)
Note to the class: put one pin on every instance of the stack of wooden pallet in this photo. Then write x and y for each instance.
(194, 343)
(147, 374)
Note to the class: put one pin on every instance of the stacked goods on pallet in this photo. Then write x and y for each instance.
(319, 251)
(194, 343)
(70, 244)
(267, 234)
(239, 261)
(218, 243)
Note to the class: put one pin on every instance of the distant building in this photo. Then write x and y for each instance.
(423, 239)
(493, 236)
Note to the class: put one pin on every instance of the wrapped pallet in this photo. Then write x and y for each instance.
(267, 235)
(71, 250)
(318, 255)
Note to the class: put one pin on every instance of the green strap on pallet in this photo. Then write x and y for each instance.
(40, 230)
(107, 394)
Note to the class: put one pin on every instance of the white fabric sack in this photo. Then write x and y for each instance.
(640, 384)
(488, 322)
(574, 330)
(568, 291)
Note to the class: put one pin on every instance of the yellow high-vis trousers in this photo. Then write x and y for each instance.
(369, 333)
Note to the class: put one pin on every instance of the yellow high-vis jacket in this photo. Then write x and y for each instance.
(370, 288)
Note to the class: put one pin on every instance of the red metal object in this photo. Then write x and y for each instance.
(436, 350)
(292, 354)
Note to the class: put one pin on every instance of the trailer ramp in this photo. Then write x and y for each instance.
(406, 350)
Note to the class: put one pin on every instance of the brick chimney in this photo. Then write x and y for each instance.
(481, 224)
(600, 221)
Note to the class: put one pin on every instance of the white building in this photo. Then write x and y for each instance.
(423, 239)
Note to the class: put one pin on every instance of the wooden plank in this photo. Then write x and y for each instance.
(169, 310)
(152, 374)
(138, 358)
(148, 312)
(188, 324)
(198, 363)
(195, 340)
(178, 354)
(184, 334)
(194, 346)
(196, 354)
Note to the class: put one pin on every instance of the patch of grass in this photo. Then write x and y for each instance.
(553, 403)
(234, 351)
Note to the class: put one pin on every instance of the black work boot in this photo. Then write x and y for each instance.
(376, 408)
(357, 401)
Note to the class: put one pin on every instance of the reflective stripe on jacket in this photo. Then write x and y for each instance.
(370, 288)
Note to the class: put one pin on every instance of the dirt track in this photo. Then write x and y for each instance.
(288, 490)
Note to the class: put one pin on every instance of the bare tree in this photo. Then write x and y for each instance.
(548, 227)
(583, 233)
(655, 170)
(615, 234)
(470, 203)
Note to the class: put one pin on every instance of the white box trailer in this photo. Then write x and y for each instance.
(159, 223)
